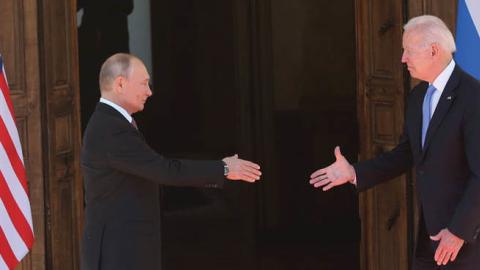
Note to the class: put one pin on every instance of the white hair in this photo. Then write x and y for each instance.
(431, 30)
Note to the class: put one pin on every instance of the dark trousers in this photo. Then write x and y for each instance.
(467, 259)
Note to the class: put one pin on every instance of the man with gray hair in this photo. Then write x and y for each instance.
(441, 139)
(122, 174)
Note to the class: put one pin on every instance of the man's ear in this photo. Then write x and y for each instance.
(119, 84)
(435, 49)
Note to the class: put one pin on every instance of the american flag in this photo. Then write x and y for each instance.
(16, 229)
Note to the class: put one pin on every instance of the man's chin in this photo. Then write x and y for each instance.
(412, 73)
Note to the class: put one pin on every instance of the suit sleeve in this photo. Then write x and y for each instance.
(390, 164)
(132, 155)
(384, 167)
(466, 220)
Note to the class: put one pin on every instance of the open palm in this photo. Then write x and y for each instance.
(338, 173)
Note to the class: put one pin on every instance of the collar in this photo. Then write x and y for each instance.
(118, 108)
(441, 81)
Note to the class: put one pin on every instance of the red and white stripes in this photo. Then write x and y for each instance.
(16, 228)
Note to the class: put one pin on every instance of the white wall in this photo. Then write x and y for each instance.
(140, 32)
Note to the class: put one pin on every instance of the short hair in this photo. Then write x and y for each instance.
(116, 65)
(432, 30)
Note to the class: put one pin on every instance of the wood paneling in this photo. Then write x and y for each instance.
(380, 108)
(383, 122)
(63, 185)
(19, 48)
(12, 42)
(445, 9)
(41, 64)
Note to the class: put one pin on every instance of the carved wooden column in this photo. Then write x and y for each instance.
(61, 132)
(381, 96)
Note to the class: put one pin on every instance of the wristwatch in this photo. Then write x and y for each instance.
(225, 169)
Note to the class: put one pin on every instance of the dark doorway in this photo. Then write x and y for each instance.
(102, 33)
(196, 112)
(275, 82)
(313, 109)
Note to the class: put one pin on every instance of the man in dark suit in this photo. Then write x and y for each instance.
(122, 174)
(442, 141)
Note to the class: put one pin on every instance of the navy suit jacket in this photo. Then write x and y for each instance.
(122, 177)
(448, 168)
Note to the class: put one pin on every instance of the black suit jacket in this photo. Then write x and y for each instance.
(448, 168)
(122, 175)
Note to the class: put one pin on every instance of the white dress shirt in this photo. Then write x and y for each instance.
(440, 82)
(118, 108)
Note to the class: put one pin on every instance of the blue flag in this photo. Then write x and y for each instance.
(468, 36)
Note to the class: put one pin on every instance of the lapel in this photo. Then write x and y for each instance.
(446, 100)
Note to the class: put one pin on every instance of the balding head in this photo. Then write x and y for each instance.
(119, 64)
(124, 80)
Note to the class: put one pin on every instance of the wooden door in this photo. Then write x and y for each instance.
(38, 44)
(61, 132)
(381, 97)
(19, 48)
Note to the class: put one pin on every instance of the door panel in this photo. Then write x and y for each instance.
(380, 109)
(64, 197)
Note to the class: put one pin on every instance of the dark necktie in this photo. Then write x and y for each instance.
(134, 124)
(427, 104)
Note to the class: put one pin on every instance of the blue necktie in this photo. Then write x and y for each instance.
(427, 104)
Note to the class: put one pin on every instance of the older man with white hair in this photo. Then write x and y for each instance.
(441, 140)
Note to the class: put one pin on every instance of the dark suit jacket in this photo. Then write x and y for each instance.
(448, 169)
(122, 175)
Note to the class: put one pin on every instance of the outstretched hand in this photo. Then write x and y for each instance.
(448, 247)
(240, 169)
(338, 173)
